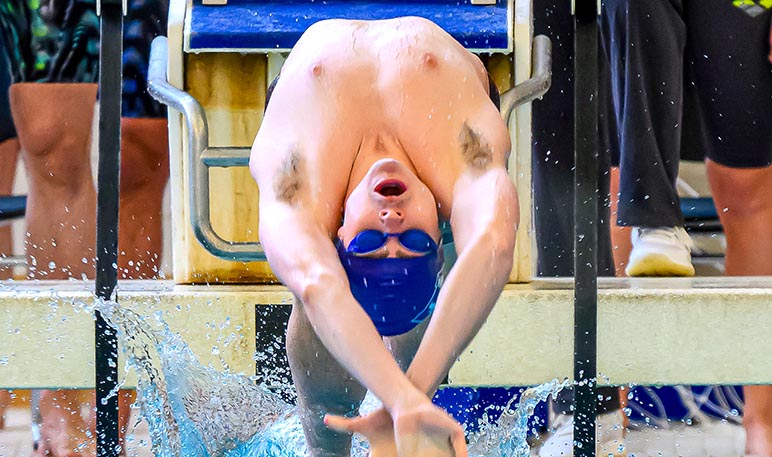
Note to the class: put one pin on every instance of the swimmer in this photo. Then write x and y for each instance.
(375, 132)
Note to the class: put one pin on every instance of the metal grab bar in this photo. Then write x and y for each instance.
(539, 82)
(13, 261)
(201, 156)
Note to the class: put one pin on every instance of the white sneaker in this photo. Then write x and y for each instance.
(610, 436)
(660, 251)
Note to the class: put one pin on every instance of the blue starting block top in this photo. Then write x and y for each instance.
(12, 206)
(275, 26)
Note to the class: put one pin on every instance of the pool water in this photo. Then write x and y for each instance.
(195, 410)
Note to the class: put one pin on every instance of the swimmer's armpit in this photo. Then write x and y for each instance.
(475, 152)
(287, 182)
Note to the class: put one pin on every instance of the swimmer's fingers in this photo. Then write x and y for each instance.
(458, 443)
(344, 424)
(455, 432)
(432, 426)
(376, 428)
(379, 420)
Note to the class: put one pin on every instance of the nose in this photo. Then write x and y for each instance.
(390, 214)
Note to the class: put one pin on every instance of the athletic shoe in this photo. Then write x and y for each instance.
(610, 436)
(660, 251)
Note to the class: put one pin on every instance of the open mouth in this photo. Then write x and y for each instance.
(391, 188)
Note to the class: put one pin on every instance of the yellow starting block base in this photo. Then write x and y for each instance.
(650, 331)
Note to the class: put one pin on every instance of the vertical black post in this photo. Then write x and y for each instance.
(585, 226)
(110, 68)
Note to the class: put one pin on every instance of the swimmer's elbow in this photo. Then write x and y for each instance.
(502, 248)
(500, 243)
(317, 288)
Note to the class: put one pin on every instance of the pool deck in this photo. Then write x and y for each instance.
(707, 440)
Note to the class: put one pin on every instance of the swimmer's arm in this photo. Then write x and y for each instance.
(303, 257)
(484, 219)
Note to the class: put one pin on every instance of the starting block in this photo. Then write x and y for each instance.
(219, 60)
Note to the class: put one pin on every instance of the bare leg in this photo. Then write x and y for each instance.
(144, 172)
(9, 151)
(745, 210)
(8, 154)
(403, 347)
(620, 236)
(324, 386)
(53, 122)
(62, 209)
(5, 402)
(63, 431)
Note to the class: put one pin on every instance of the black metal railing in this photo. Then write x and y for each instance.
(585, 223)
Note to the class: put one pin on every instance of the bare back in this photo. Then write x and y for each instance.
(352, 92)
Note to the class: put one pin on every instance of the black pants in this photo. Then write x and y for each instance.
(553, 161)
(688, 78)
(7, 129)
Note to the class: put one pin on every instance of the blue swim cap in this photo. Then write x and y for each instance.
(397, 293)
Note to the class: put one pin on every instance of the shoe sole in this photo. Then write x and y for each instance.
(658, 265)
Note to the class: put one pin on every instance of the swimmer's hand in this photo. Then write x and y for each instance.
(377, 428)
(420, 429)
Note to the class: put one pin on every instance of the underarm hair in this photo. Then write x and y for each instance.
(288, 178)
(474, 150)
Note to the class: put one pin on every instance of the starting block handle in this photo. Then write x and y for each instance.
(202, 156)
(537, 85)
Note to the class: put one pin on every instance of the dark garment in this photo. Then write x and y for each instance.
(58, 41)
(7, 129)
(552, 130)
(688, 78)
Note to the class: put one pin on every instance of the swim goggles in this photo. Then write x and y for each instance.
(414, 240)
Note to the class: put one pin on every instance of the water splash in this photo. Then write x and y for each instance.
(196, 410)
(507, 436)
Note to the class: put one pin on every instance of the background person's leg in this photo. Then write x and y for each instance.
(5, 402)
(54, 126)
(732, 77)
(54, 129)
(144, 173)
(745, 209)
(620, 236)
(645, 43)
(9, 151)
(63, 430)
(323, 386)
(63, 195)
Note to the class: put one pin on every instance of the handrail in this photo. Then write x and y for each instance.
(539, 82)
(202, 156)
